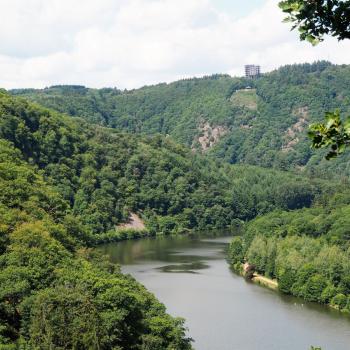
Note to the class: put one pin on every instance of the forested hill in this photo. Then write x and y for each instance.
(262, 122)
(64, 182)
(54, 293)
(104, 175)
(306, 250)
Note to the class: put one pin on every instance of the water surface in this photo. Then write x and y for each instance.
(222, 310)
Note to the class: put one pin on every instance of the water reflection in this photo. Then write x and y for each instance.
(190, 276)
(167, 249)
(184, 268)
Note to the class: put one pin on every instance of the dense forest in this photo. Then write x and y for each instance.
(247, 156)
(306, 250)
(65, 184)
(54, 293)
(259, 122)
(104, 175)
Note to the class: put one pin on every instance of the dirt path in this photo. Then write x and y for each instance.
(135, 222)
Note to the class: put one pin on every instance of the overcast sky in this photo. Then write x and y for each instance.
(131, 43)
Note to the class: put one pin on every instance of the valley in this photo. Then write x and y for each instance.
(175, 175)
(222, 310)
(73, 182)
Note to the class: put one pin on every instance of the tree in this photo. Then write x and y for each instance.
(314, 19)
(314, 287)
(339, 301)
(334, 134)
(236, 250)
(63, 318)
(286, 281)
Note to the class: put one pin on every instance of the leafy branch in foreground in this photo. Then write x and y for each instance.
(333, 134)
(316, 18)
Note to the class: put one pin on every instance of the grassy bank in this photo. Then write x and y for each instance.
(121, 234)
(265, 281)
(254, 276)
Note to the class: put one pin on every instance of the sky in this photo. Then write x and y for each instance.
(132, 43)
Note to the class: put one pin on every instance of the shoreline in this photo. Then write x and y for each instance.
(264, 281)
(273, 285)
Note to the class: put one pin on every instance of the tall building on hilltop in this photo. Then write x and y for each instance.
(252, 71)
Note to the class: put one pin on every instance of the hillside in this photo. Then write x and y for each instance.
(65, 182)
(262, 122)
(306, 250)
(54, 293)
(105, 175)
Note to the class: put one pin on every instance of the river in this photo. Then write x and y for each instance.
(190, 275)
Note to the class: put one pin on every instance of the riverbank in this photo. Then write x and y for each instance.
(247, 271)
(265, 281)
(189, 274)
(270, 283)
(122, 234)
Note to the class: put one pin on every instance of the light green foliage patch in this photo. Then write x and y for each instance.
(306, 250)
(245, 98)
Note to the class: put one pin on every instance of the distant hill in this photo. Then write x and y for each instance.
(261, 122)
(105, 174)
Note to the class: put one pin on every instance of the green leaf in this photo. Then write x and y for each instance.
(285, 6)
(347, 126)
(331, 155)
(341, 148)
(287, 20)
(313, 40)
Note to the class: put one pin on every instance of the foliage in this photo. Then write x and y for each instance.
(120, 235)
(236, 250)
(65, 184)
(55, 295)
(334, 134)
(306, 250)
(265, 125)
(103, 175)
(316, 18)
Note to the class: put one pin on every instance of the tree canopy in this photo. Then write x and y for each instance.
(307, 250)
(105, 174)
(55, 293)
(64, 186)
(262, 122)
(316, 18)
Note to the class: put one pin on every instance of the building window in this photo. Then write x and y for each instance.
(252, 71)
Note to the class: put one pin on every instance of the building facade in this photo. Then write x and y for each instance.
(252, 71)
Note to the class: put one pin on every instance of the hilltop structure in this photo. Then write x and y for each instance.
(252, 71)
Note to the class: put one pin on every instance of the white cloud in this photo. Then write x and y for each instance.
(130, 43)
